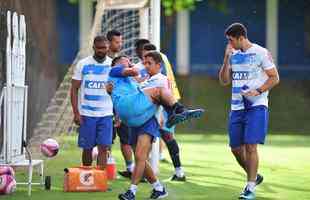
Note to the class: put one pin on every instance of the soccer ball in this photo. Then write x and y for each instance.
(7, 184)
(6, 170)
(49, 147)
(95, 153)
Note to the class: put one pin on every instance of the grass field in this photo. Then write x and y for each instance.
(211, 171)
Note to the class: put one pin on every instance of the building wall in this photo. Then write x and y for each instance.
(208, 22)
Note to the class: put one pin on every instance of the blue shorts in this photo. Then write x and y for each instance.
(136, 109)
(248, 126)
(151, 127)
(95, 131)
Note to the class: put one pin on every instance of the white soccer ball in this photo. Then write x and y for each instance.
(49, 147)
(7, 184)
(7, 170)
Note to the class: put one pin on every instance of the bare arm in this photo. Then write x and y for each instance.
(273, 80)
(225, 71)
(75, 85)
(130, 71)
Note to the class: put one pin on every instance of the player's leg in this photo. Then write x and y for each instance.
(123, 132)
(161, 151)
(104, 136)
(176, 111)
(142, 138)
(87, 139)
(174, 152)
(255, 133)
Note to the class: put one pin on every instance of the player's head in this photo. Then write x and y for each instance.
(100, 46)
(152, 61)
(123, 59)
(147, 48)
(116, 40)
(236, 34)
(139, 46)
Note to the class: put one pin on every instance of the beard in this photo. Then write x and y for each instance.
(99, 57)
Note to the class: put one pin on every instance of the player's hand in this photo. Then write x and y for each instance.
(250, 93)
(229, 50)
(117, 122)
(78, 119)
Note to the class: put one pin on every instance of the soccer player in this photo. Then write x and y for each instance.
(94, 115)
(123, 131)
(250, 69)
(167, 134)
(137, 107)
(116, 42)
(140, 43)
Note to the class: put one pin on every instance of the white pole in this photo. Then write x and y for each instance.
(155, 22)
(183, 43)
(155, 39)
(85, 15)
(272, 28)
(144, 23)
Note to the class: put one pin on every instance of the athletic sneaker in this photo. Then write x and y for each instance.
(182, 114)
(178, 178)
(158, 194)
(247, 194)
(125, 174)
(259, 179)
(127, 196)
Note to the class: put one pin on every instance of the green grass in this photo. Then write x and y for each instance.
(210, 168)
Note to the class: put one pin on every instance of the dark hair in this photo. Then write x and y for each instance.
(117, 58)
(236, 30)
(155, 55)
(140, 43)
(149, 47)
(100, 38)
(113, 33)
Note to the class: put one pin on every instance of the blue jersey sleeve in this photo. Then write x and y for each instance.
(117, 71)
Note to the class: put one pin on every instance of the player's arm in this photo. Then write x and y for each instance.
(272, 73)
(109, 87)
(75, 86)
(225, 71)
(120, 71)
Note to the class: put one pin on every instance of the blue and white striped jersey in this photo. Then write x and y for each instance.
(94, 101)
(248, 74)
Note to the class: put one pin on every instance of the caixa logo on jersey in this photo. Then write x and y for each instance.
(240, 75)
(95, 84)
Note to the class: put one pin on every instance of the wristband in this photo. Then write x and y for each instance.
(259, 90)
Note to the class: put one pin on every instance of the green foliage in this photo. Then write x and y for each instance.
(173, 6)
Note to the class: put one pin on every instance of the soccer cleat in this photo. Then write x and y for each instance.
(127, 196)
(125, 174)
(159, 194)
(247, 194)
(178, 178)
(183, 115)
(259, 179)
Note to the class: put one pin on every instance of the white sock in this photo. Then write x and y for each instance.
(179, 172)
(133, 188)
(251, 186)
(130, 167)
(158, 186)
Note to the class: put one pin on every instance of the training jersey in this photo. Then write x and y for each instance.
(122, 85)
(248, 74)
(166, 69)
(157, 80)
(94, 101)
